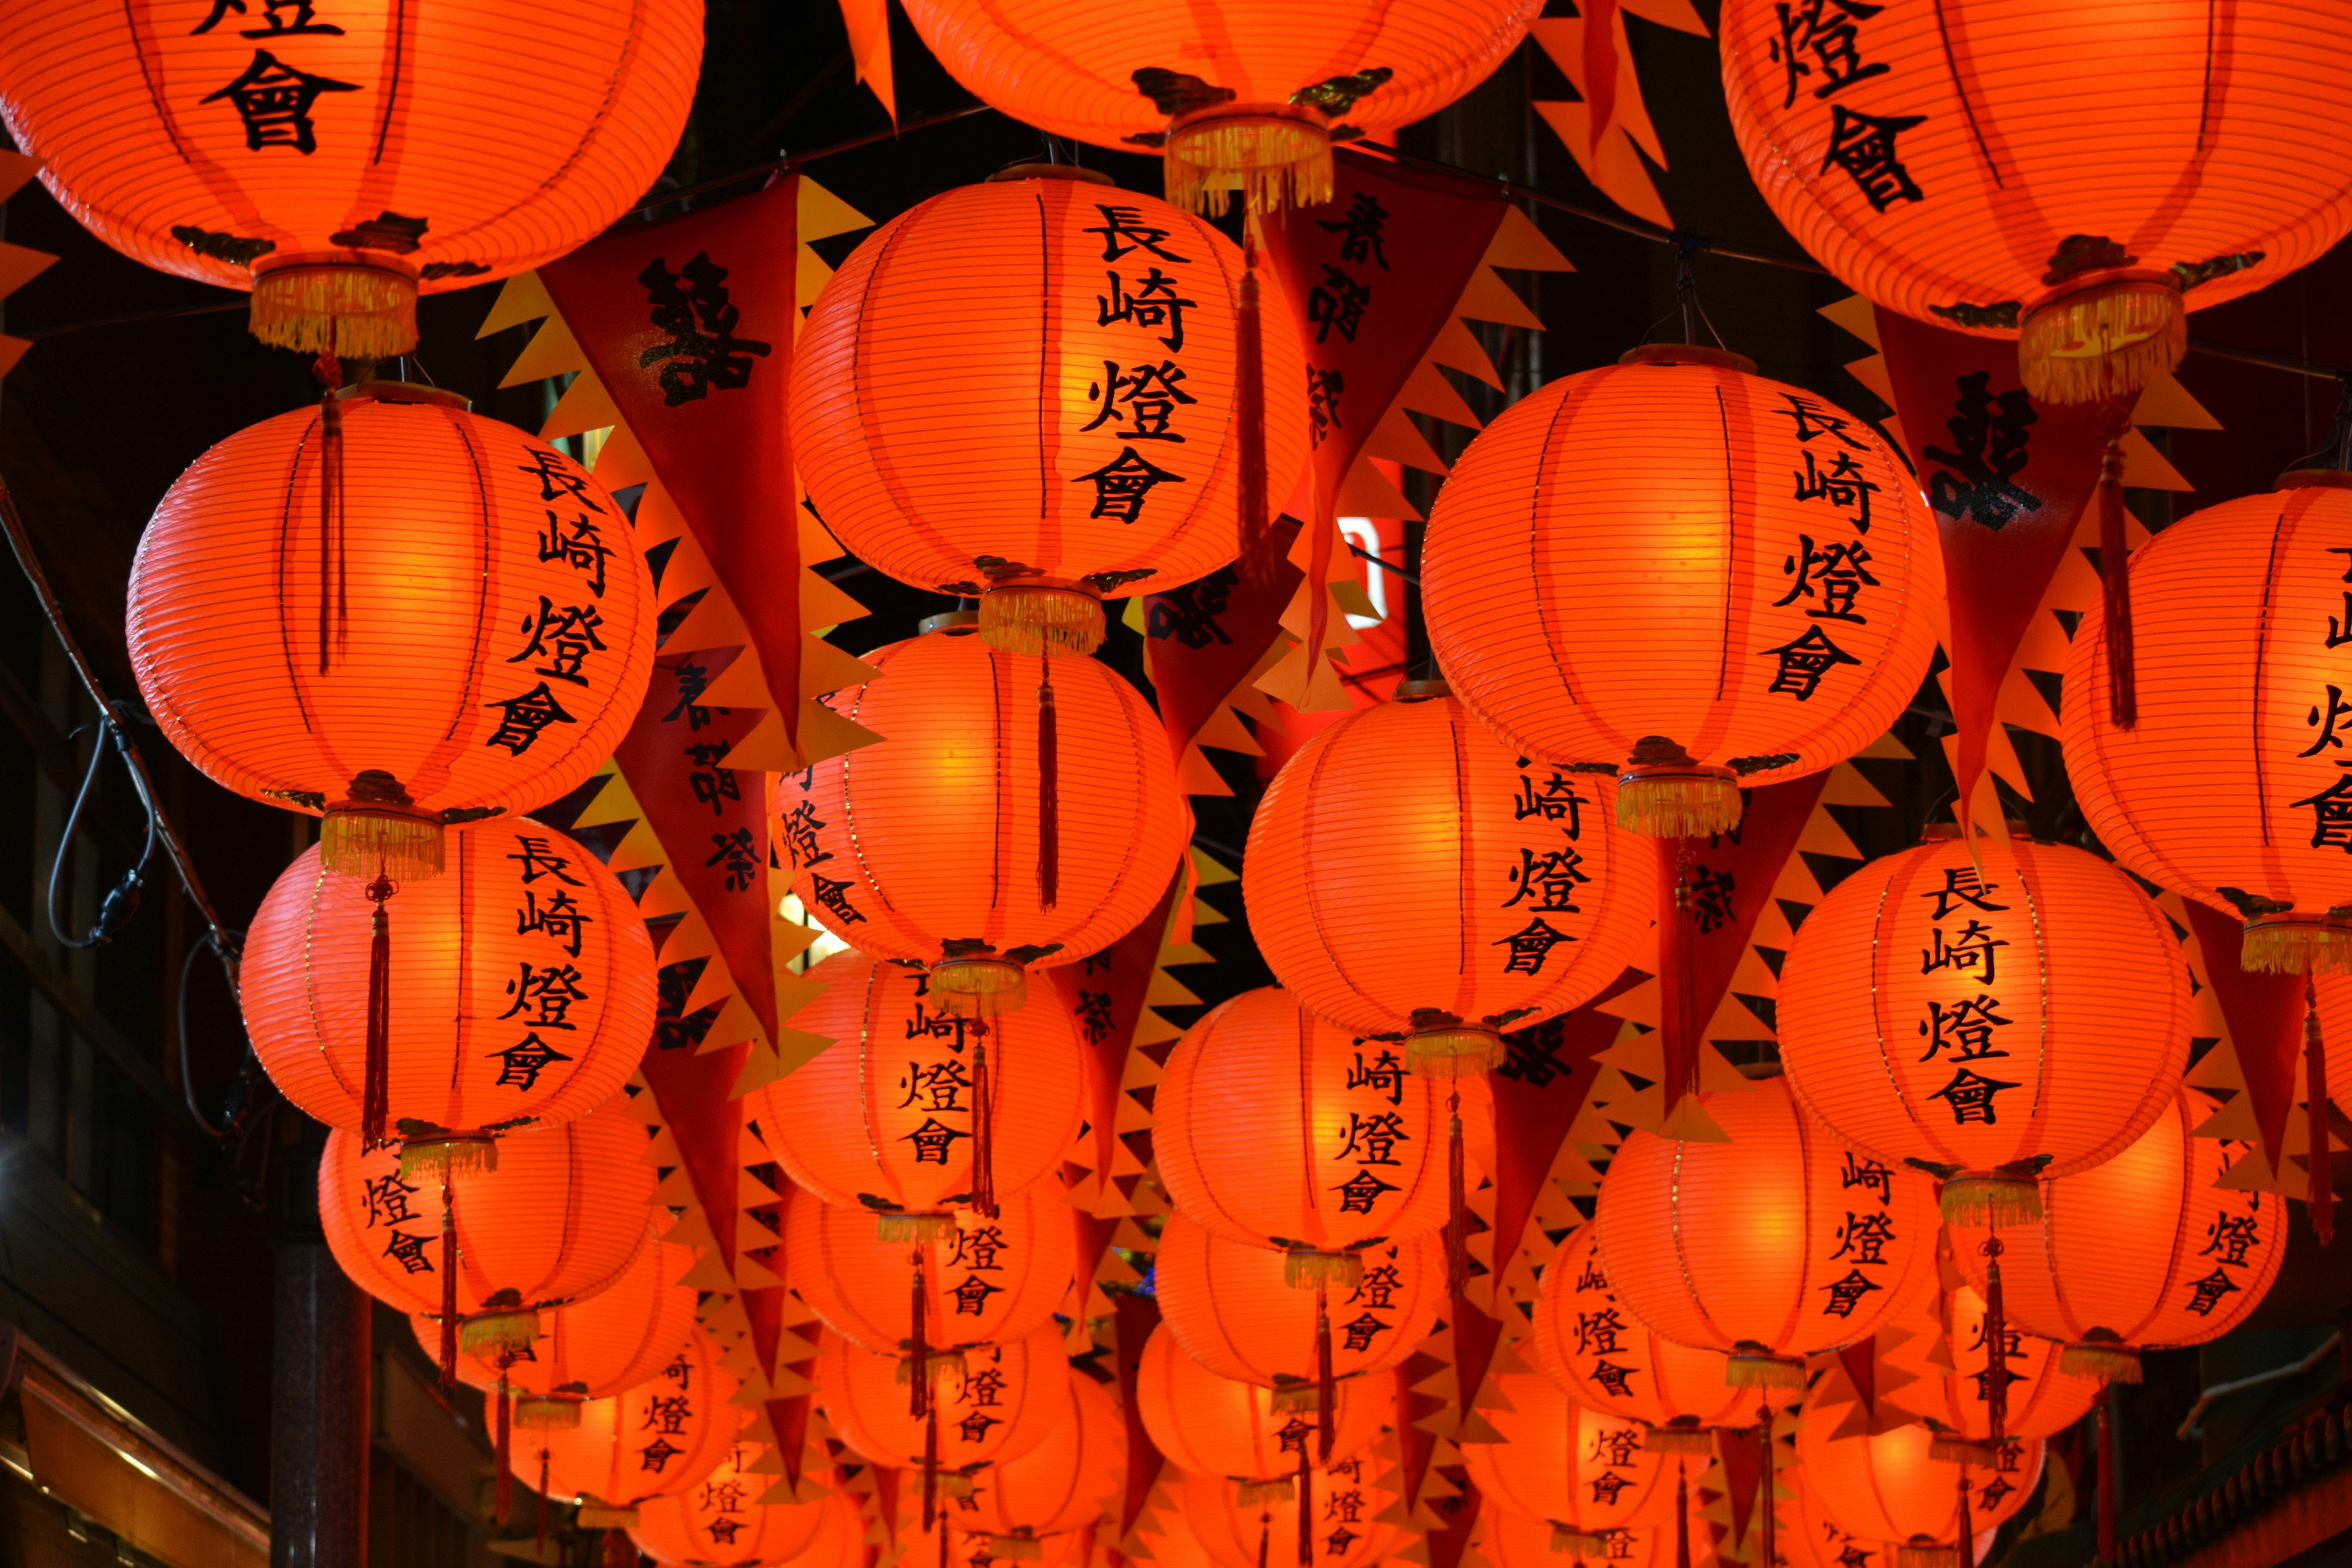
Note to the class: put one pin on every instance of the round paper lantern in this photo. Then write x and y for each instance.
(890, 1118)
(2031, 1004)
(722, 1523)
(471, 639)
(2145, 1252)
(995, 826)
(1060, 1488)
(1509, 1539)
(1274, 1129)
(986, 1280)
(1890, 1488)
(1230, 1306)
(662, 1438)
(587, 1349)
(1408, 874)
(1957, 1401)
(1775, 1246)
(1623, 575)
(1585, 1472)
(2234, 610)
(1246, 98)
(329, 158)
(1093, 444)
(943, 1541)
(993, 1403)
(1606, 1359)
(520, 988)
(1343, 1505)
(2081, 194)
(1212, 1426)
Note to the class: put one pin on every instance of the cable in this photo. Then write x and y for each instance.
(243, 1102)
(121, 901)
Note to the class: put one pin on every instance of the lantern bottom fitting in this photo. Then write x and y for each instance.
(443, 1155)
(2109, 1361)
(1303, 1398)
(1567, 1537)
(351, 304)
(979, 987)
(503, 1332)
(936, 1364)
(1984, 1201)
(914, 1229)
(1677, 800)
(1688, 1440)
(2103, 335)
(952, 1485)
(1304, 1265)
(1949, 1448)
(2293, 943)
(1457, 1051)
(1751, 1365)
(1257, 1494)
(1927, 1554)
(366, 840)
(1041, 618)
(550, 1412)
(602, 1516)
(1277, 156)
(1015, 1548)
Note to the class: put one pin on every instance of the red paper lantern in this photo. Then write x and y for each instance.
(1775, 1246)
(1342, 1528)
(1509, 1539)
(590, 1349)
(661, 1439)
(2040, 1402)
(1891, 1489)
(1209, 1426)
(1232, 1308)
(991, 1403)
(890, 1118)
(2083, 193)
(722, 1523)
(996, 825)
(1092, 446)
(1586, 1473)
(1607, 1359)
(1410, 875)
(1622, 574)
(1050, 1496)
(1979, 1015)
(332, 163)
(471, 639)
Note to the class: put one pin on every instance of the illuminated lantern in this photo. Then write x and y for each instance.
(1209, 1426)
(1051, 1495)
(1586, 1472)
(519, 989)
(1238, 96)
(1891, 1489)
(986, 1280)
(1342, 1527)
(1775, 1246)
(1048, 482)
(2080, 195)
(1410, 875)
(2040, 1403)
(1606, 1359)
(1980, 1016)
(661, 1438)
(2234, 610)
(948, 1539)
(996, 825)
(991, 1403)
(1622, 575)
(471, 638)
(893, 1117)
(721, 1523)
(331, 163)
(1509, 1539)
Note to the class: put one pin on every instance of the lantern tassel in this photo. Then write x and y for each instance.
(334, 572)
(931, 1466)
(1681, 1513)
(943, 1546)
(983, 1125)
(1264, 1536)
(2100, 1353)
(2115, 571)
(1968, 1530)
(1305, 1512)
(1996, 1334)
(1249, 416)
(506, 1448)
(1677, 933)
(1263, 1494)
(1764, 1484)
(376, 1099)
(619, 1552)
(1049, 790)
(540, 1508)
(2106, 1487)
(1457, 1203)
(919, 1382)
(1326, 1391)
(449, 1286)
(2319, 1195)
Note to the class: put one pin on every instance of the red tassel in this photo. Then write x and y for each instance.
(449, 1286)
(1996, 1336)
(334, 582)
(620, 1551)
(984, 1124)
(542, 1510)
(1457, 1203)
(1681, 1513)
(1327, 1387)
(375, 1097)
(2115, 573)
(2320, 1194)
(1049, 791)
(918, 1350)
(506, 1449)
(1249, 416)
(1764, 1505)
(1305, 1512)
(2107, 1485)
(1968, 1530)
(931, 1469)
(943, 1546)
(1265, 1534)
(1676, 930)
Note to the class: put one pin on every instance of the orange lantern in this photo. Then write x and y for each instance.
(331, 159)
(1209, 1426)
(662, 1438)
(2081, 195)
(1246, 98)
(1620, 576)
(1408, 874)
(1094, 445)
(908, 1110)
(1891, 1489)
(961, 840)
(1336, 1521)
(993, 1403)
(1050, 1496)
(519, 991)
(1957, 1402)
(1509, 1539)
(2026, 1010)
(946, 1541)
(1586, 1472)
(1775, 1246)
(721, 1523)
(1607, 1359)
(469, 635)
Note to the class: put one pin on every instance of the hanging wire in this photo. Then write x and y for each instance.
(121, 901)
(2336, 452)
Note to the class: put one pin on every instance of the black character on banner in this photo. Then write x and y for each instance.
(1337, 304)
(703, 353)
(1976, 475)
(734, 852)
(1190, 614)
(1359, 229)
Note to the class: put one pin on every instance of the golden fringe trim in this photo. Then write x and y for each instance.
(1927, 1554)
(1691, 1441)
(980, 988)
(1947, 1450)
(1684, 807)
(547, 1414)
(1039, 619)
(2106, 341)
(1583, 1543)
(1015, 1548)
(2107, 1363)
(1295, 1399)
(351, 311)
(914, 1229)
(2295, 947)
(442, 1159)
(1303, 1267)
(502, 1331)
(1274, 160)
(1992, 1202)
(936, 1364)
(361, 841)
(1753, 1366)
(1454, 1053)
(602, 1516)
(1257, 1494)
(953, 1486)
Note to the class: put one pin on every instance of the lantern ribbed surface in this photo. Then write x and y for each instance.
(611, 1342)
(1606, 1359)
(1274, 1129)
(1070, 1479)
(2232, 610)
(886, 1110)
(2042, 1402)
(931, 835)
(987, 1279)
(720, 1523)
(1003, 1402)
(661, 1438)
(1229, 1305)
(1887, 1489)
(1093, 429)
(1406, 859)
(1625, 554)
(1209, 1426)
(2032, 1002)
(521, 984)
(223, 144)
(560, 1218)
(480, 668)
(1574, 1466)
(1509, 1539)
(1763, 1239)
(1345, 1503)
(2144, 1248)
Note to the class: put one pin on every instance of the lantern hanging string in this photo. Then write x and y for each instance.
(1764, 1481)
(1457, 1199)
(2106, 1459)
(1049, 788)
(1305, 1510)
(448, 1284)
(1968, 1532)
(1249, 415)
(334, 567)
(918, 1350)
(1326, 1387)
(1996, 1338)
(2319, 1192)
(505, 1442)
(983, 1125)
(1681, 1513)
